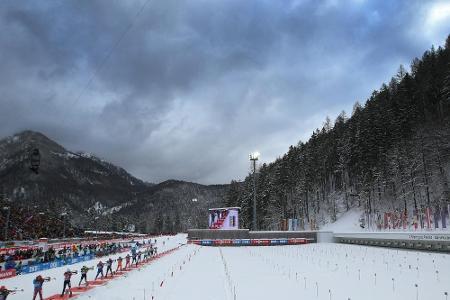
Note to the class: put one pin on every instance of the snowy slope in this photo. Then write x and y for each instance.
(347, 222)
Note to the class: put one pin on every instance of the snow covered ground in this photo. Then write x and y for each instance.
(25, 282)
(314, 271)
(347, 222)
(336, 271)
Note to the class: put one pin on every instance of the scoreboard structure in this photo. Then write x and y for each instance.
(223, 230)
(225, 218)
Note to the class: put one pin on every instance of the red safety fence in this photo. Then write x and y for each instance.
(223, 242)
(7, 274)
(297, 241)
(19, 248)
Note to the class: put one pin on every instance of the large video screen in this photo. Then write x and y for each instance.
(223, 218)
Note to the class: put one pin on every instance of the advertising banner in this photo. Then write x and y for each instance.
(7, 274)
(249, 242)
(55, 264)
(14, 249)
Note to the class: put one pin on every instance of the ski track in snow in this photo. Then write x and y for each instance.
(313, 271)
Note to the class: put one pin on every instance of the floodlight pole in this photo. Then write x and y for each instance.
(254, 157)
(8, 212)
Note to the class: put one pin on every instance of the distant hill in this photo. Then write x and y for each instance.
(92, 190)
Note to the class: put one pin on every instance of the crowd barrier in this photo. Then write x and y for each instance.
(50, 265)
(10, 250)
(248, 242)
(55, 264)
(58, 262)
(428, 241)
(61, 245)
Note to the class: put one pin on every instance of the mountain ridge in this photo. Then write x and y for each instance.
(89, 187)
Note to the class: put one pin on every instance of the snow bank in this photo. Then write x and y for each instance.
(347, 222)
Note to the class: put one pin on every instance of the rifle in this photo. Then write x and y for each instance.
(73, 272)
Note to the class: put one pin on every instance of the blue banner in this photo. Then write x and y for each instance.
(55, 264)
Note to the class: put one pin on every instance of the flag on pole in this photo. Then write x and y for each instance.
(415, 219)
(422, 218)
(437, 217)
(405, 219)
(445, 211)
(386, 220)
(428, 217)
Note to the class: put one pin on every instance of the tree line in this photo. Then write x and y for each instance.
(393, 152)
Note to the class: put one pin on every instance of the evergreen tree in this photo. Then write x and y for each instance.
(393, 152)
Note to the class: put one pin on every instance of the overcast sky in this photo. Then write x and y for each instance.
(187, 89)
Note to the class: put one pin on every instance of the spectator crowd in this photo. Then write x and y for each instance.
(20, 258)
(28, 223)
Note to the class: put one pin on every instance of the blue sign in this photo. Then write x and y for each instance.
(207, 242)
(245, 242)
(55, 264)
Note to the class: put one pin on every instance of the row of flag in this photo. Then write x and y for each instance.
(424, 218)
(298, 224)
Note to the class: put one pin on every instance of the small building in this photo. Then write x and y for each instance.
(224, 218)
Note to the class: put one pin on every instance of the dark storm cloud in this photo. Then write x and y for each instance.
(194, 86)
